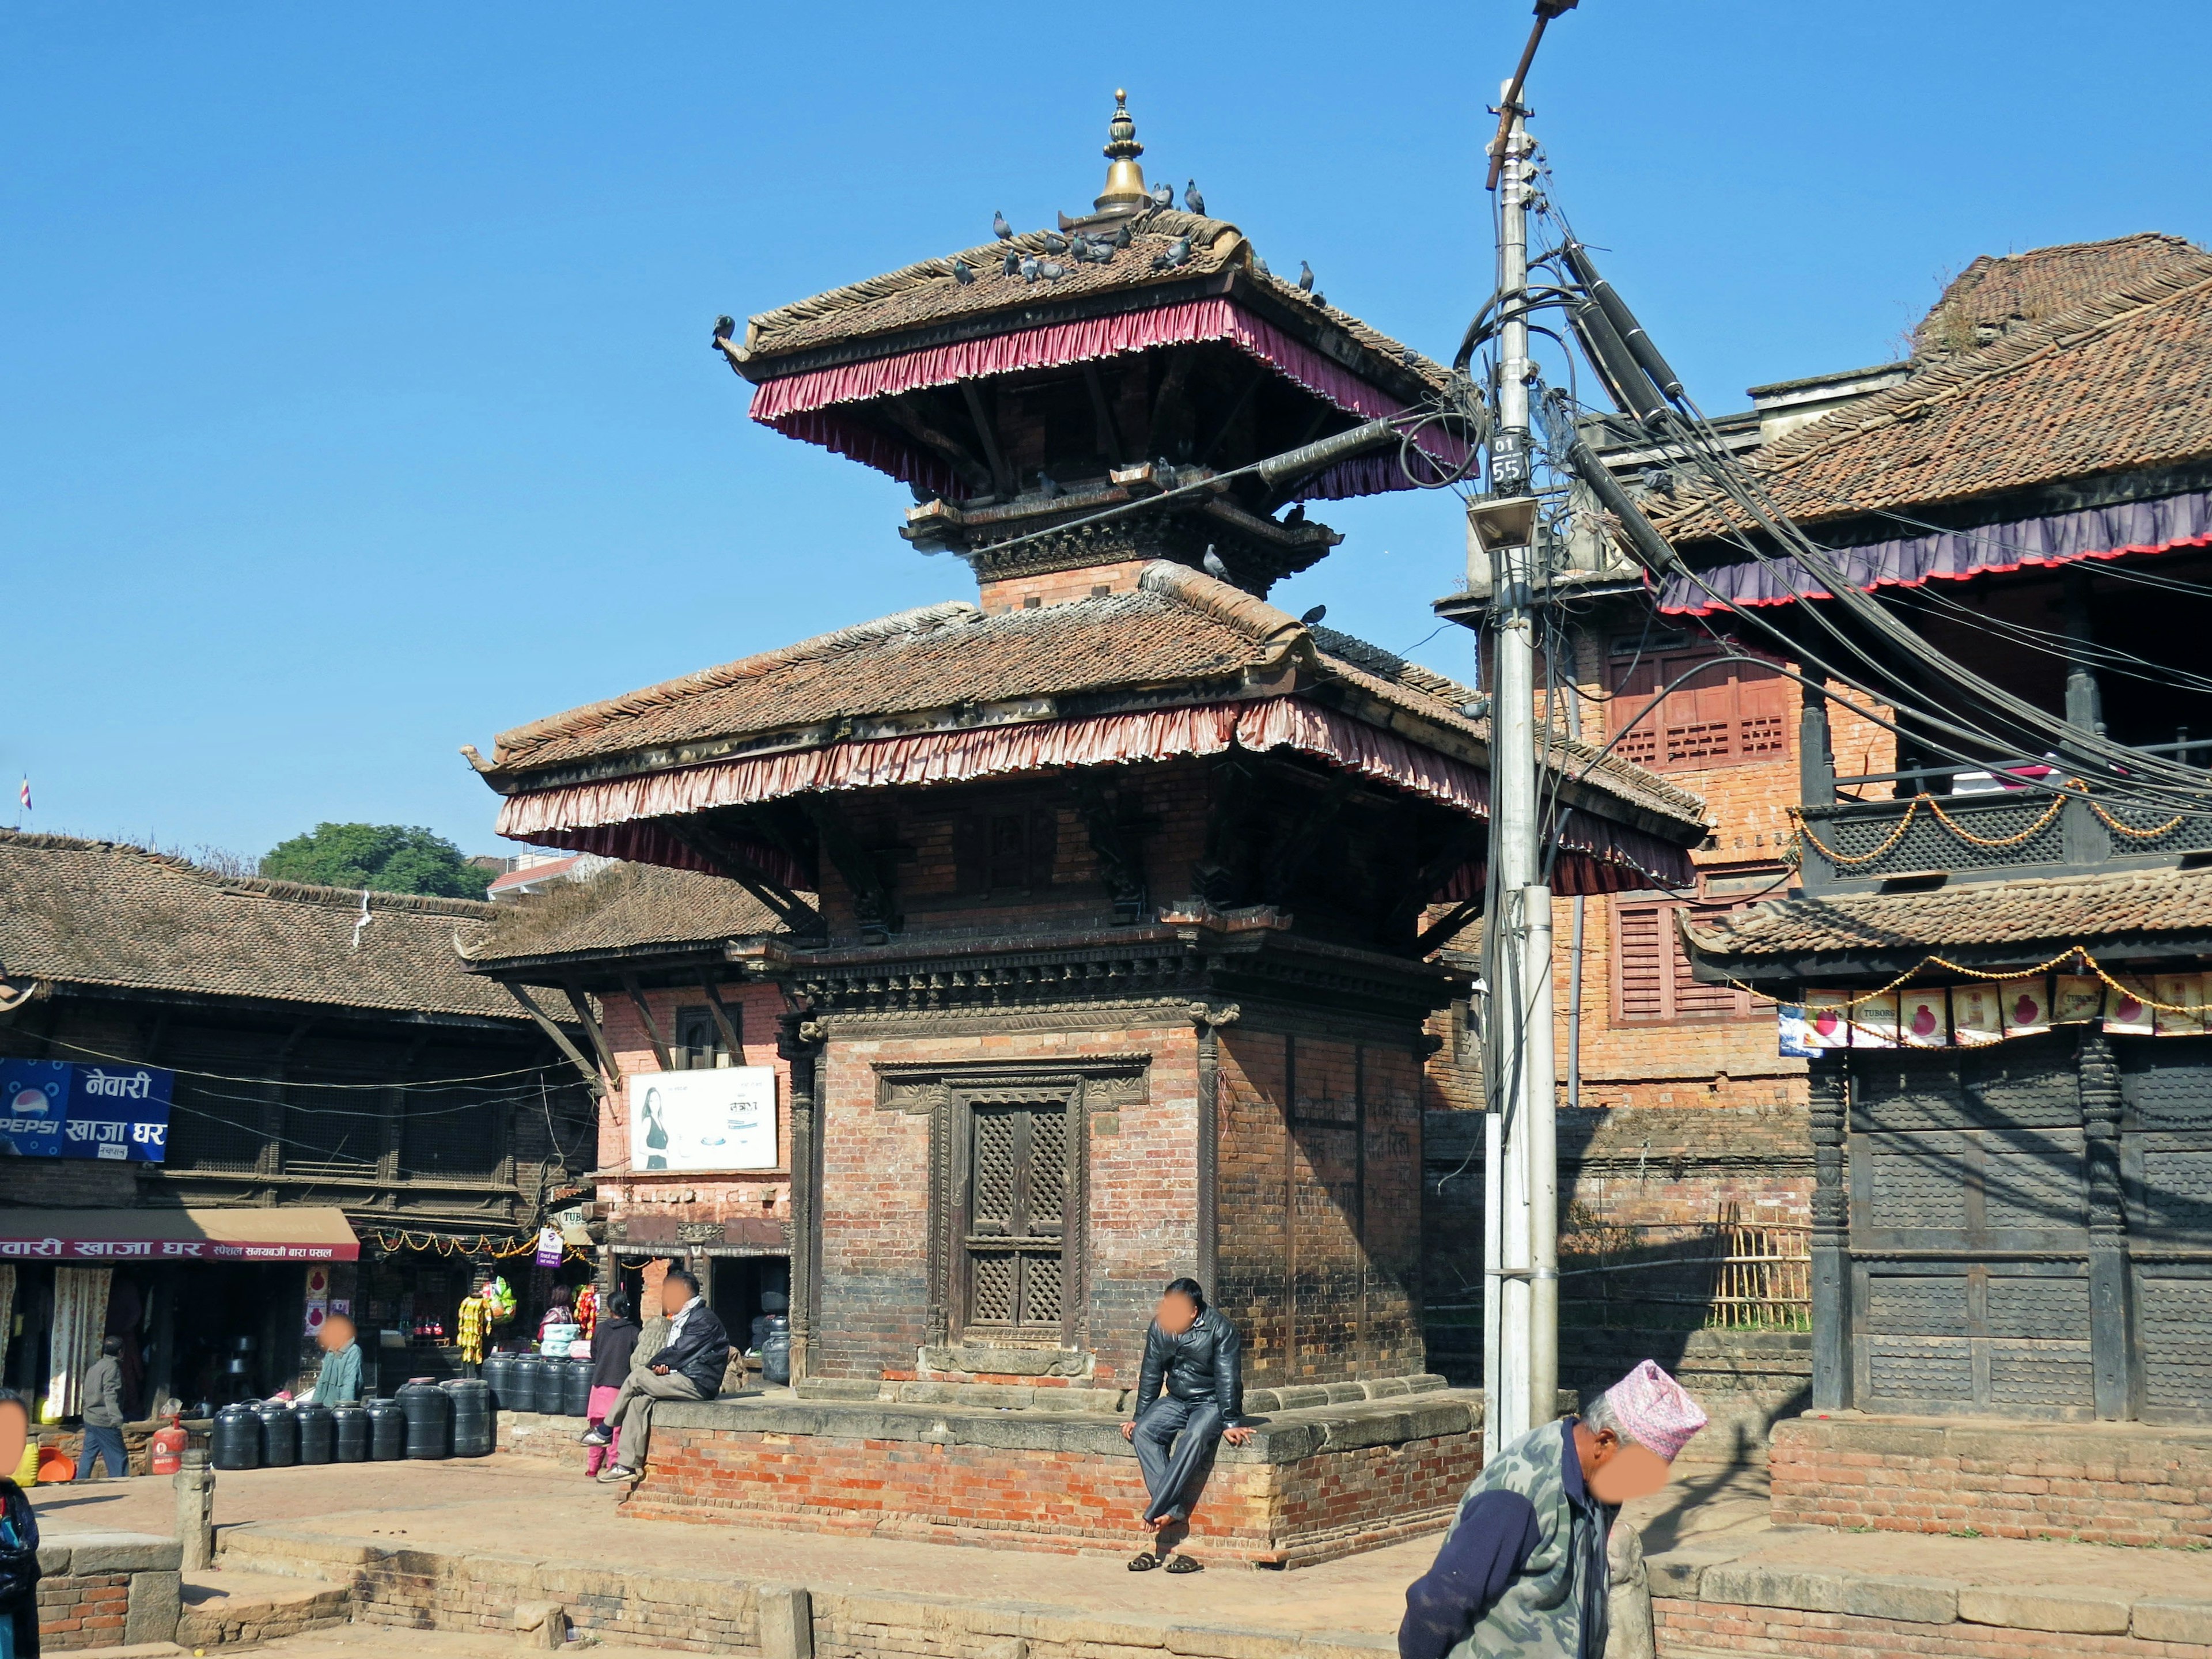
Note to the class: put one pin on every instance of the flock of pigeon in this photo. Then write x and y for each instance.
(1081, 250)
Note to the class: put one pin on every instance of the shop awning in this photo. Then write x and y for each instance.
(277, 1233)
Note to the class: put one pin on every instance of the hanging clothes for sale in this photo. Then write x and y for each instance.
(80, 1320)
(587, 1309)
(473, 1322)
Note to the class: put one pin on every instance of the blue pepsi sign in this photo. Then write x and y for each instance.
(57, 1108)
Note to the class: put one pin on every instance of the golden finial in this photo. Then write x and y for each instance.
(1125, 180)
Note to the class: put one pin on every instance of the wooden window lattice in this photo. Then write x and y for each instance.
(1017, 1195)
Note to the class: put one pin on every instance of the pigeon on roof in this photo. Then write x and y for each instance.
(1305, 277)
(1164, 194)
(1000, 228)
(1054, 242)
(963, 273)
(1313, 617)
(1192, 200)
(1214, 568)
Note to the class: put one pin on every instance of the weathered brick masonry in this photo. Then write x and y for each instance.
(105, 1589)
(2119, 1484)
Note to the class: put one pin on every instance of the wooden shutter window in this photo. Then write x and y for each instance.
(1727, 715)
(1652, 984)
(1005, 852)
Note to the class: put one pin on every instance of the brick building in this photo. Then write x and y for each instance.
(348, 1107)
(1108, 899)
(2000, 953)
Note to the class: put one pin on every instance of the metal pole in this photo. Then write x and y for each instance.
(1493, 1213)
(1523, 999)
(1542, 1136)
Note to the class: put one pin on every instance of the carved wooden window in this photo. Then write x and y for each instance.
(1652, 984)
(1728, 714)
(1018, 1190)
(1004, 852)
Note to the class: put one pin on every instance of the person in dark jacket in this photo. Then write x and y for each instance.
(1191, 1386)
(613, 1344)
(688, 1367)
(103, 1414)
(19, 1539)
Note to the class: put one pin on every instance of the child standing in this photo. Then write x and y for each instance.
(612, 1346)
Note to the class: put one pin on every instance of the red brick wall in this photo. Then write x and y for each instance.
(1141, 1228)
(83, 1612)
(1058, 587)
(756, 1194)
(1323, 1506)
(1319, 1207)
(2111, 1486)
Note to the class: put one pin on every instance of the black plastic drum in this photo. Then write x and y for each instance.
(519, 1392)
(280, 1435)
(473, 1434)
(575, 1388)
(387, 1429)
(497, 1371)
(237, 1438)
(429, 1412)
(316, 1429)
(350, 1434)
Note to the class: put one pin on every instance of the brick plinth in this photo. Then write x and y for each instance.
(1686, 1628)
(2119, 1483)
(1312, 1486)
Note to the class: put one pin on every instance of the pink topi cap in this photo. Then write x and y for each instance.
(1654, 1410)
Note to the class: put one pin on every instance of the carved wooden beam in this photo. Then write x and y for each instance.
(592, 1078)
(1169, 405)
(788, 908)
(1459, 847)
(988, 436)
(873, 900)
(905, 412)
(1313, 823)
(731, 1038)
(1109, 435)
(1117, 843)
(1447, 927)
(1251, 389)
(644, 1017)
(584, 1018)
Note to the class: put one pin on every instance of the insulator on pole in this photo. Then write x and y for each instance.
(1624, 322)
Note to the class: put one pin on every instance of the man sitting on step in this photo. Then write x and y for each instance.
(689, 1366)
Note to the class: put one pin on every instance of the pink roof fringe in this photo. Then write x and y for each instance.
(613, 816)
(801, 406)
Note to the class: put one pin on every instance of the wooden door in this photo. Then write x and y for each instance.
(1018, 1188)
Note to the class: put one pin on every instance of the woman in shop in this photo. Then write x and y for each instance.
(613, 1347)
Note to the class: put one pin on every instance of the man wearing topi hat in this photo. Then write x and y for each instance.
(1523, 1570)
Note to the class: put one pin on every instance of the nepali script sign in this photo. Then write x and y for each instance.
(58, 1109)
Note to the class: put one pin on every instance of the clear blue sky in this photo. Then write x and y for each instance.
(355, 400)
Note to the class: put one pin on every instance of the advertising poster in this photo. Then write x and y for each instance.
(1977, 1014)
(59, 1108)
(722, 1119)
(2183, 995)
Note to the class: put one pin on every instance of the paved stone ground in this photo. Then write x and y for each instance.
(526, 1506)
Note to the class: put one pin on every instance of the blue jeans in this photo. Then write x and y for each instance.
(1168, 1477)
(102, 1443)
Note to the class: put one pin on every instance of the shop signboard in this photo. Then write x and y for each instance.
(61, 1109)
(719, 1119)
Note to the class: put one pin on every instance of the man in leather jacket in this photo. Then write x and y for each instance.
(690, 1367)
(1192, 1385)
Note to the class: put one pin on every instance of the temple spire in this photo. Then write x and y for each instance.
(1125, 178)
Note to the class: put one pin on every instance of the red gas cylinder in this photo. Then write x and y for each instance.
(167, 1449)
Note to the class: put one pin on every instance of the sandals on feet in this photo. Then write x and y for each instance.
(1143, 1561)
(1184, 1564)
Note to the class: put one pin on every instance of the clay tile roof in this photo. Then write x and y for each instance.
(925, 294)
(624, 907)
(2039, 917)
(1998, 292)
(2120, 383)
(102, 913)
(1181, 632)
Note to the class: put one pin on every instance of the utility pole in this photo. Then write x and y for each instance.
(1521, 1282)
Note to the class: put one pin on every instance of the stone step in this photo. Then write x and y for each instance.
(226, 1608)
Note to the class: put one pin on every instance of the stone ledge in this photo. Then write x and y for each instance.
(81, 1554)
(1285, 1437)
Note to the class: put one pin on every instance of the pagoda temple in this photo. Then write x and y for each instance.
(1097, 914)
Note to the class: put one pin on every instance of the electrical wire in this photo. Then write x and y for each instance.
(219, 1077)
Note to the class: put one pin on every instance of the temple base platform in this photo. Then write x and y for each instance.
(2094, 1483)
(1329, 1471)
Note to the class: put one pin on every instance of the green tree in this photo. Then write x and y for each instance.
(389, 858)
